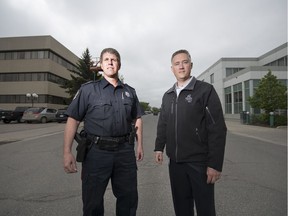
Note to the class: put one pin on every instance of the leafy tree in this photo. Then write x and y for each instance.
(270, 94)
(145, 106)
(82, 75)
(155, 109)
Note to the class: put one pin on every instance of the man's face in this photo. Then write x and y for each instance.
(181, 67)
(110, 65)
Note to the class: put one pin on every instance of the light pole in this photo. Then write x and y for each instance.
(33, 97)
(95, 66)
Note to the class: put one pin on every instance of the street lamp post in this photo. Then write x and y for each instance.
(33, 97)
(95, 66)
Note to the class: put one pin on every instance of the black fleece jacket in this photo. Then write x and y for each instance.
(192, 126)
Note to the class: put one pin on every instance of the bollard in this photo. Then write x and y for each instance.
(247, 118)
(271, 119)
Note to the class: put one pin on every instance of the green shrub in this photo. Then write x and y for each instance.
(280, 120)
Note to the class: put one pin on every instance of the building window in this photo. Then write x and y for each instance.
(231, 71)
(212, 78)
(228, 100)
(247, 94)
(279, 62)
(255, 85)
(35, 76)
(237, 93)
(37, 54)
(49, 99)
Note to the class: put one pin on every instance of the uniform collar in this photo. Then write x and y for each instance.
(190, 85)
(105, 83)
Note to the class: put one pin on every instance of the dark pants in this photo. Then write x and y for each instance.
(98, 168)
(188, 184)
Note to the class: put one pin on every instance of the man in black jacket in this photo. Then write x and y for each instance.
(192, 127)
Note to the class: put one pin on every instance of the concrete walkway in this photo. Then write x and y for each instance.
(276, 136)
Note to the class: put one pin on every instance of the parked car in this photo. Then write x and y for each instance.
(61, 115)
(3, 114)
(16, 115)
(39, 114)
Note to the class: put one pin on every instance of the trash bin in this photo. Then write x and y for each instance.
(243, 117)
(247, 117)
(271, 119)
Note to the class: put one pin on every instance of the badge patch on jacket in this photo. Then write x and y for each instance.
(188, 98)
(127, 94)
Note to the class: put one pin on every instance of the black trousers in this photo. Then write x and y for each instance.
(189, 186)
(98, 168)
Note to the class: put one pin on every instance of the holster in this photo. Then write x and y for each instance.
(83, 146)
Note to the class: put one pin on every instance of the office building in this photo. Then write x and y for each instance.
(32, 70)
(235, 79)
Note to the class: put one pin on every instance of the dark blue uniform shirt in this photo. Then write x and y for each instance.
(106, 110)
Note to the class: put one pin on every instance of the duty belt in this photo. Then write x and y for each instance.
(108, 140)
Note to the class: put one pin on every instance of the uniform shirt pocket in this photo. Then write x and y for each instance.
(128, 103)
(102, 109)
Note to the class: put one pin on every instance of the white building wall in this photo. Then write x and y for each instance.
(254, 70)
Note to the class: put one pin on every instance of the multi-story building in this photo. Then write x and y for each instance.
(32, 70)
(235, 79)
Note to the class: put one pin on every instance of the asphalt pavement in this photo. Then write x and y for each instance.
(253, 182)
(276, 136)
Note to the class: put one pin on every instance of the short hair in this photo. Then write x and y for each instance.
(179, 52)
(112, 51)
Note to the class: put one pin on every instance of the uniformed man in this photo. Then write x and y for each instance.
(110, 111)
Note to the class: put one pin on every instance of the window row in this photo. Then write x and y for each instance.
(37, 54)
(279, 62)
(35, 76)
(231, 71)
(23, 99)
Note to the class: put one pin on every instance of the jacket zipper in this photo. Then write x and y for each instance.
(208, 111)
(172, 106)
(176, 122)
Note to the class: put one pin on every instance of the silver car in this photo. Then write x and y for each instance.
(39, 114)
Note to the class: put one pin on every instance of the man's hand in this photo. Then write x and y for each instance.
(212, 175)
(69, 163)
(139, 153)
(159, 157)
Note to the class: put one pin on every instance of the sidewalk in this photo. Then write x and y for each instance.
(277, 136)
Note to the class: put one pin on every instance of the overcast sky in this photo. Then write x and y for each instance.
(147, 32)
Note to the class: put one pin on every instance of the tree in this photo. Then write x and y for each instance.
(82, 75)
(145, 106)
(270, 94)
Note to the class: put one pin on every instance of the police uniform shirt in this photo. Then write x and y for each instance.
(106, 110)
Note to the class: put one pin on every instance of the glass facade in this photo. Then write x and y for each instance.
(247, 95)
(237, 98)
(228, 100)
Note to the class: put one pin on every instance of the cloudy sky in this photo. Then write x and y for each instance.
(147, 32)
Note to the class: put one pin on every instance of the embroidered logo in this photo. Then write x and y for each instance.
(127, 94)
(188, 98)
